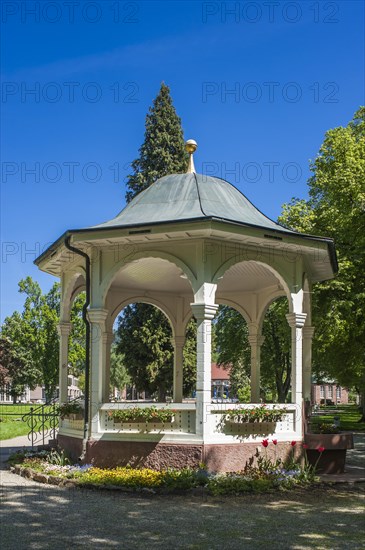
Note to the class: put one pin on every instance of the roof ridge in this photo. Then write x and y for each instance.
(199, 198)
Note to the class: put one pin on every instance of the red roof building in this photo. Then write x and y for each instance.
(220, 381)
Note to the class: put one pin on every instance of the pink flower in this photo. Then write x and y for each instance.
(275, 441)
(293, 443)
(320, 449)
(265, 442)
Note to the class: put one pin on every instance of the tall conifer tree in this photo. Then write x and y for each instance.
(163, 150)
(144, 332)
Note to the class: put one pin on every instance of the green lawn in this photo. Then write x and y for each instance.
(11, 423)
(349, 417)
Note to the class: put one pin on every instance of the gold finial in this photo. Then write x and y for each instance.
(191, 146)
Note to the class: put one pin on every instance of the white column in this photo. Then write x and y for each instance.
(296, 322)
(97, 318)
(64, 329)
(178, 343)
(204, 313)
(256, 340)
(107, 337)
(307, 362)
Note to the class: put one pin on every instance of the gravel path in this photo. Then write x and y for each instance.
(38, 516)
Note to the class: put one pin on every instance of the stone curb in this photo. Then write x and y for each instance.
(43, 478)
(334, 481)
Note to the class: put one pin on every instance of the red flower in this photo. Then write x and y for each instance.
(275, 441)
(305, 446)
(293, 443)
(265, 442)
(320, 449)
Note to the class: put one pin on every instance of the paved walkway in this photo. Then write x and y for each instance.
(10, 446)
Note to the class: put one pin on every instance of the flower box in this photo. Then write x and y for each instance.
(143, 421)
(139, 415)
(71, 410)
(74, 416)
(255, 415)
(249, 428)
(241, 420)
(333, 457)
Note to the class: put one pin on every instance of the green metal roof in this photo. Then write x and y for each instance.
(188, 198)
(180, 197)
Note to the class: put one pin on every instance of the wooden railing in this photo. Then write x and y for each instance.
(183, 419)
(183, 423)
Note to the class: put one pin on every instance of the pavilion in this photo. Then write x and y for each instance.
(185, 245)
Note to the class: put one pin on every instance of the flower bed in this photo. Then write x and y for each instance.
(259, 414)
(266, 475)
(142, 415)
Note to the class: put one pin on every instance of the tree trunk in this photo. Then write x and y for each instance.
(161, 395)
(281, 395)
(283, 386)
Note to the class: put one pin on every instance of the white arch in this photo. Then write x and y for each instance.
(274, 270)
(233, 261)
(140, 299)
(237, 307)
(274, 296)
(70, 292)
(108, 279)
(307, 300)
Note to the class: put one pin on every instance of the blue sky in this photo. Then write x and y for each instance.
(257, 84)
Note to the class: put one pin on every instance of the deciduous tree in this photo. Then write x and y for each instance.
(34, 339)
(336, 208)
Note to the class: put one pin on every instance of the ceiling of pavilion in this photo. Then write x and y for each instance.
(246, 277)
(158, 275)
(152, 274)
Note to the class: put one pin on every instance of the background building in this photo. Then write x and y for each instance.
(329, 393)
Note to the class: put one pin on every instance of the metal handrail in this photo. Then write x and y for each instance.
(42, 423)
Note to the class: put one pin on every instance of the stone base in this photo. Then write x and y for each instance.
(217, 457)
(330, 462)
(333, 458)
